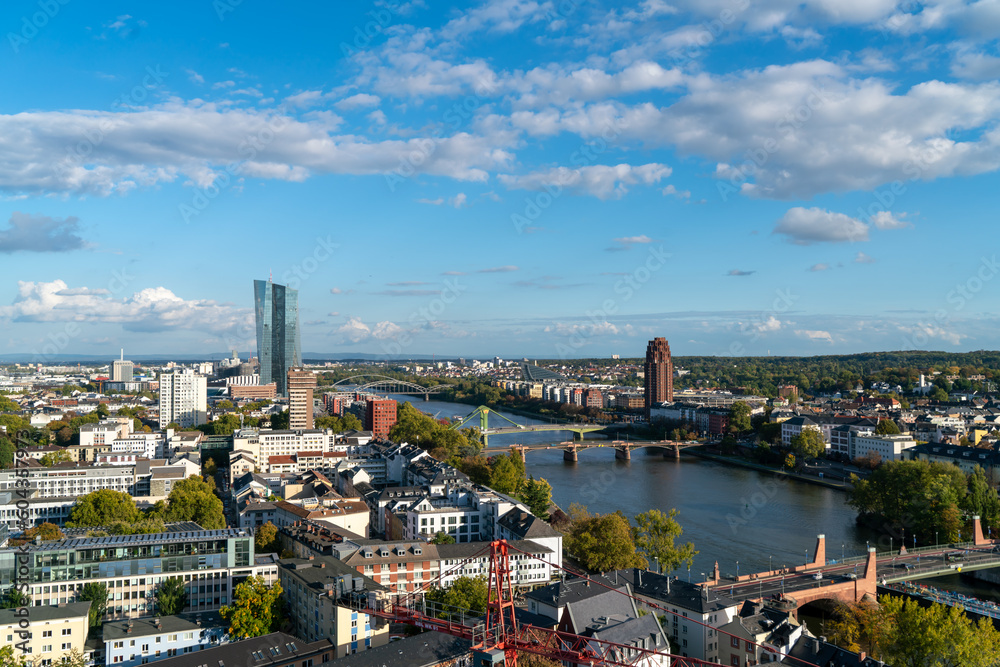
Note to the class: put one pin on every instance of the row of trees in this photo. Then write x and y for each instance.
(931, 500)
(505, 473)
(191, 499)
(435, 436)
(603, 542)
(902, 633)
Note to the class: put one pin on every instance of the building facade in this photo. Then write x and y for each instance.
(279, 343)
(380, 417)
(183, 399)
(659, 373)
(301, 384)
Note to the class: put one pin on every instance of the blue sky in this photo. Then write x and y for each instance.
(512, 177)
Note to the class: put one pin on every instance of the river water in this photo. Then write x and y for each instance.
(732, 515)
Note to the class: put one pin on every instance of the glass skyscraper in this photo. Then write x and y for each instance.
(279, 343)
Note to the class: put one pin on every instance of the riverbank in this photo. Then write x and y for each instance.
(743, 463)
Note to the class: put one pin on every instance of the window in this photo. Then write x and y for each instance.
(46, 633)
(734, 642)
(67, 646)
(749, 647)
(735, 660)
(66, 632)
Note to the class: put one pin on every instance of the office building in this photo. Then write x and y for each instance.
(301, 384)
(183, 399)
(209, 562)
(121, 370)
(659, 374)
(380, 417)
(279, 344)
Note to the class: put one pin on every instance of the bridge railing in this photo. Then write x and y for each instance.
(909, 551)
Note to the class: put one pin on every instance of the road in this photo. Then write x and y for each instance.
(899, 568)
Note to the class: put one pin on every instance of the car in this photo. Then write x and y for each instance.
(851, 575)
(818, 576)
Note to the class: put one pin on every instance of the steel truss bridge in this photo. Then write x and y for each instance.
(381, 384)
(482, 416)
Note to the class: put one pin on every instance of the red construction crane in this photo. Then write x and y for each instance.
(501, 631)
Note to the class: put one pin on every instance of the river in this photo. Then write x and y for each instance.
(731, 514)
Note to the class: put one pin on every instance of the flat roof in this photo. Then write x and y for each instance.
(112, 541)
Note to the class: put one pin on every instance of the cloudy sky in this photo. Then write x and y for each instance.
(555, 178)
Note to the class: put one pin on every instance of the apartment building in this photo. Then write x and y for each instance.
(140, 641)
(315, 590)
(56, 633)
(70, 480)
(183, 399)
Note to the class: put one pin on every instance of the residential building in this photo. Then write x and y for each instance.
(347, 513)
(380, 417)
(792, 427)
(315, 589)
(183, 399)
(301, 384)
(758, 634)
(140, 641)
(69, 479)
(399, 567)
(39, 510)
(279, 343)
(254, 392)
(530, 563)
(887, 447)
(121, 370)
(56, 633)
(278, 649)
(428, 649)
(659, 374)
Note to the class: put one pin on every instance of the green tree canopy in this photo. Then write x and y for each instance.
(47, 532)
(602, 542)
(6, 453)
(464, 596)
(102, 508)
(256, 609)
(739, 417)
(97, 594)
(14, 598)
(266, 539)
(171, 597)
(52, 458)
(655, 535)
(537, 495)
(443, 538)
(809, 443)
(886, 427)
(192, 499)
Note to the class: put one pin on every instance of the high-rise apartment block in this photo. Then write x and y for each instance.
(301, 384)
(380, 417)
(279, 342)
(183, 399)
(659, 371)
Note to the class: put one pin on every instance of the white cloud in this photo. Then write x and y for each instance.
(601, 181)
(815, 335)
(40, 233)
(819, 267)
(862, 258)
(680, 194)
(354, 330)
(886, 220)
(804, 226)
(194, 76)
(142, 148)
(149, 310)
(359, 101)
(496, 16)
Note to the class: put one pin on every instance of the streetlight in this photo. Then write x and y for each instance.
(807, 557)
(769, 570)
(737, 570)
(842, 547)
(656, 562)
(936, 539)
(890, 545)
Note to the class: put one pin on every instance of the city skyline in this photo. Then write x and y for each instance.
(506, 177)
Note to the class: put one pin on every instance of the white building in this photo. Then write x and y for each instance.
(888, 447)
(183, 399)
(143, 640)
(121, 370)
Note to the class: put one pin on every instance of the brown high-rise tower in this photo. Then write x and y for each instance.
(301, 384)
(659, 373)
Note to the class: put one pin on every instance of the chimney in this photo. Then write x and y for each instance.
(862, 656)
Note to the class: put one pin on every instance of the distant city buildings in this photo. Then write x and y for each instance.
(301, 384)
(659, 373)
(121, 370)
(279, 343)
(183, 399)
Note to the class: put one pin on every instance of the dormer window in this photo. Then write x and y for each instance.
(368, 554)
(417, 551)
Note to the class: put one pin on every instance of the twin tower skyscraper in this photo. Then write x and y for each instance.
(279, 340)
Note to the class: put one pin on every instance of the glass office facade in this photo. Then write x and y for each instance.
(279, 343)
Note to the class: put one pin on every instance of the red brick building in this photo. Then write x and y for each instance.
(380, 417)
(659, 373)
(592, 398)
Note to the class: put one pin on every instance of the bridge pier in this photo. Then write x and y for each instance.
(623, 454)
(520, 452)
(570, 454)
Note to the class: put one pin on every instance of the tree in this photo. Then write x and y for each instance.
(790, 461)
(209, 468)
(98, 596)
(809, 443)
(443, 538)
(279, 420)
(886, 427)
(171, 597)
(506, 473)
(6, 453)
(47, 532)
(266, 539)
(53, 458)
(602, 542)
(537, 495)
(14, 598)
(102, 410)
(192, 499)
(462, 597)
(256, 609)
(739, 417)
(225, 405)
(102, 508)
(938, 394)
(655, 535)
(914, 636)
(981, 499)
